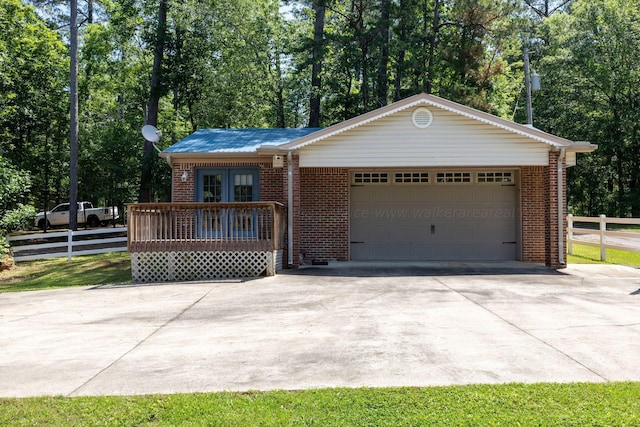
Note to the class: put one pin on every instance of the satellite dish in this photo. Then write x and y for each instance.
(150, 133)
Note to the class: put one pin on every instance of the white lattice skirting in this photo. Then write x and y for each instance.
(147, 267)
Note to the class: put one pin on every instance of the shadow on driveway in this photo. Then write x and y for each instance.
(421, 269)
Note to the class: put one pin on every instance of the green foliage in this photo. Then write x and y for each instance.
(33, 100)
(14, 215)
(18, 218)
(14, 186)
(5, 249)
(592, 71)
(610, 404)
(241, 63)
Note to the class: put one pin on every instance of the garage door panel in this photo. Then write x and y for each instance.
(443, 194)
(468, 221)
(495, 193)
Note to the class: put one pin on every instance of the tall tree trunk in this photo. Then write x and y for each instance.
(620, 181)
(144, 196)
(89, 11)
(316, 69)
(364, 67)
(280, 117)
(73, 113)
(433, 40)
(383, 82)
(400, 63)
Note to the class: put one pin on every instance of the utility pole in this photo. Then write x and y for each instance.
(527, 84)
(531, 82)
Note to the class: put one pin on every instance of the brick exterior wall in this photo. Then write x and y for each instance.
(324, 227)
(271, 184)
(553, 233)
(533, 193)
(321, 207)
(539, 190)
(183, 192)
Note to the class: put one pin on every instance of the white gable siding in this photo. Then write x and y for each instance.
(451, 140)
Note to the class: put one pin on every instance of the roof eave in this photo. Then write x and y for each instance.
(270, 150)
(432, 100)
(582, 147)
(353, 122)
(209, 154)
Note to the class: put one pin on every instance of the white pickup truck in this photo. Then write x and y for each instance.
(87, 214)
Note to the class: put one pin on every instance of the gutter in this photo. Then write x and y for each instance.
(290, 208)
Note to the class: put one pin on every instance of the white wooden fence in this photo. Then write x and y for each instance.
(42, 247)
(601, 237)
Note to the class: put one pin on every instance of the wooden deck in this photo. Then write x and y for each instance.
(172, 227)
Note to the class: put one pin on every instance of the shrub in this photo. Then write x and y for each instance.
(19, 218)
(5, 251)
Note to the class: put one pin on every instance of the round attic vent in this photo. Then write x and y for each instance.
(422, 117)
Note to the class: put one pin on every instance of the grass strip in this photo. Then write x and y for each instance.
(115, 268)
(86, 270)
(576, 404)
(591, 255)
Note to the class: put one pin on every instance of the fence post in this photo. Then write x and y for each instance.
(69, 244)
(603, 237)
(570, 233)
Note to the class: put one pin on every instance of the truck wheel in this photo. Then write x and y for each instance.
(93, 221)
(42, 223)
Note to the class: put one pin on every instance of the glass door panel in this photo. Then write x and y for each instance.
(243, 219)
(212, 188)
(226, 185)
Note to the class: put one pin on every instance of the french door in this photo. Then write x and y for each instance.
(217, 185)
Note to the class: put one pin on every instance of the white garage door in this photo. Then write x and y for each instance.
(443, 215)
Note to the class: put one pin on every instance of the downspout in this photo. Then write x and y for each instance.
(290, 208)
(561, 158)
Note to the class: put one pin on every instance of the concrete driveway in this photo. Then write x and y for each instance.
(355, 325)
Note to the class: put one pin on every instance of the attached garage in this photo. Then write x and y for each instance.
(421, 179)
(434, 215)
(429, 179)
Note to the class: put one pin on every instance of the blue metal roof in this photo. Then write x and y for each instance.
(236, 140)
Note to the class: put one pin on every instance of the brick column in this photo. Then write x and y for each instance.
(534, 196)
(296, 202)
(553, 233)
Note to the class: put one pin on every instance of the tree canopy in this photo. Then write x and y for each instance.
(270, 63)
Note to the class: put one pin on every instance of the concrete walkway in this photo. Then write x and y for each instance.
(352, 325)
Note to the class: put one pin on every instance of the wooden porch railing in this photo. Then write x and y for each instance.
(167, 227)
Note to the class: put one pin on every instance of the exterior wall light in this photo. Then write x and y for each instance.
(184, 176)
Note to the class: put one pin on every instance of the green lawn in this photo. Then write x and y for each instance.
(93, 270)
(53, 273)
(609, 404)
(591, 255)
(578, 404)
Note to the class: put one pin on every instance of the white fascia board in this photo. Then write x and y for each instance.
(489, 119)
(210, 156)
(437, 102)
(582, 147)
(348, 125)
